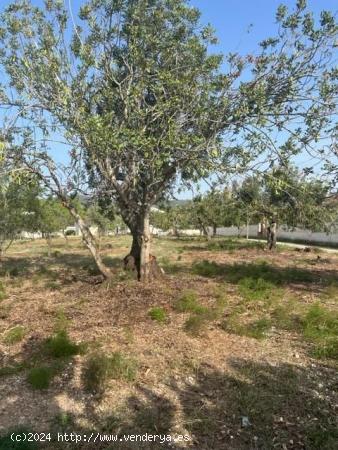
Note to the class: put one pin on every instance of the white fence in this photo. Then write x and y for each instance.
(283, 233)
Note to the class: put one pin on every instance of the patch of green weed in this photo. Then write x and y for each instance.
(258, 289)
(257, 329)
(320, 326)
(60, 346)
(14, 335)
(188, 302)
(158, 314)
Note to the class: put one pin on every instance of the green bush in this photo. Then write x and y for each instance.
(14, 335)
(158, 314)
(60, 346)
(40, 377)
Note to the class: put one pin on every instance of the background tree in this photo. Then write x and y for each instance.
(172, 217)
(18, 209)
(52, 218)
(145, 103)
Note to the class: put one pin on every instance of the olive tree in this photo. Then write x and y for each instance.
(145, 104)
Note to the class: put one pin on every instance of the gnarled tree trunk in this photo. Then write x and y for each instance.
(139, 258)
(272, 236)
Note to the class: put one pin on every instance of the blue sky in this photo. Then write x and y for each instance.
(239, 24)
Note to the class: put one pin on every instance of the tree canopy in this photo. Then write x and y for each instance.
(144, 103)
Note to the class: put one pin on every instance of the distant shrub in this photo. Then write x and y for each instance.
(14, 335)
(60, 346)
(158, 314)
(99, 368)
(40, 377)
(70, 233)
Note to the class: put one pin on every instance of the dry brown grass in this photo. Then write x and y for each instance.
(201, 386)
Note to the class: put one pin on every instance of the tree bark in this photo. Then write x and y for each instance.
(145, 250)
(139, 257)
(89, 240)
(272, 236)
(214, 230)
(49, 245)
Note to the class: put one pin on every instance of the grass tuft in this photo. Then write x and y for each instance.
(195, 325)
(14, 335)
(100, 368)
(122, 367)
(60, 346)
(40, 377)
(158, 314)
(256, 329)
(188, 302)
(96, 373)
(258, 289)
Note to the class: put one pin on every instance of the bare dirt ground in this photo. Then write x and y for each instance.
(223, 387)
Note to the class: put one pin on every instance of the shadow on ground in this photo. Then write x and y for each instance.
(253, 405)
(233, 273)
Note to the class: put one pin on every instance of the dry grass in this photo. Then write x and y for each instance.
(244, 334)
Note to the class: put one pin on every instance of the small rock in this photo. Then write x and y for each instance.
(245, 421)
